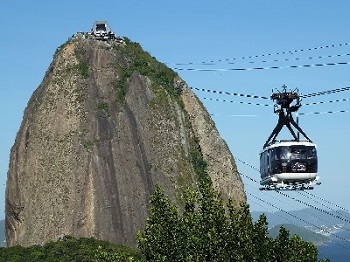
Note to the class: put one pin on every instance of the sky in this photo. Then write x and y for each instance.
(205, 42)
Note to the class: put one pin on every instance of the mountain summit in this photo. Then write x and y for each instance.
(108, 123)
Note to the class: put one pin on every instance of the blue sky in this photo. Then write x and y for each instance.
(180, 32)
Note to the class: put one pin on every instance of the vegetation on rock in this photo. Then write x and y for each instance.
(143, 63)
(71, 249)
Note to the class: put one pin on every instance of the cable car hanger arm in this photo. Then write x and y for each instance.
(285, 118)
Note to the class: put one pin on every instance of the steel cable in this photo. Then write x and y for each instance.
(264, 55)
(295, 199)
(258, 68)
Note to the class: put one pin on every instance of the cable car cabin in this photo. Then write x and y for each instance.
(288, 163)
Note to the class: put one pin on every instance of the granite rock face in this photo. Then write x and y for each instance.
(106, 124)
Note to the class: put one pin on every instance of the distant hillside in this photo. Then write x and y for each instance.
(2, 233)
(311, 215)
(306, 234)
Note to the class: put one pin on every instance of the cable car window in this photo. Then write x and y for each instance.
(284, 152)
(304, 152)
(311, 153)
(101, 27)
(298, 153)
(274, 155)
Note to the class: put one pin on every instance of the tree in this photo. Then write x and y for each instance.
(209, 226)
(302, 249)
(281, 245)
(160, 238)
(206, 231)
(240, 233)
(261, 242)
(71, 249)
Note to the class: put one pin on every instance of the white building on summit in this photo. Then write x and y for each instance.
(102, 31)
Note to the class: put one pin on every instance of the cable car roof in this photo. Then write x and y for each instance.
(288, 143)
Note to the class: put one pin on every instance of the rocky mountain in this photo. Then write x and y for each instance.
(108, 123)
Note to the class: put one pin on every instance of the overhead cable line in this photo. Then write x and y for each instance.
(333, 91)
(294, 216)
(238, 102)
(327, 92)
(255, 181)
(303, 220)
(274, 199)
(308, 213)
(329, 202)
(267, 105)
(266, 207)
(258, 68)
(279, 215)
(236, 115)
(324, 102)
(314, 207)
(228, 93)
(275, 60)
(295, 59)
(325, 112)
(303, 202)
(264, 55)
(293, 198)
(249, 165)
(318, 202)
(301, 114)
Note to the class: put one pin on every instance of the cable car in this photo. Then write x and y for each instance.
(288, 164)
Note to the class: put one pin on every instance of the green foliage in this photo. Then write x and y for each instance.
(197, 161)
(61, 47)
(306, 234)
(262, 243)
(82, 66)
(103, 106)
(108, 255)
(199, 164)
(121, 93)
(240, 233)
(71, 249)
(83, 69)
(120, 86)
(282, 245)
(206, 231)
(146, 65)
(293, 249)
(159, 244)
(302, 249)
(141, 62)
